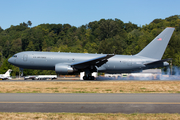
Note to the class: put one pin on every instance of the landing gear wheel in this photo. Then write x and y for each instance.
(88, 73)
(84, 78)
(88, 78)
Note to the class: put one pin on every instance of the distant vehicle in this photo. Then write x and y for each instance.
(30, 77)
(70, 63)
(6, 76)
(41, 77)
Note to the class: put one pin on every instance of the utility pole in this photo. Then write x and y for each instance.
(171, 67)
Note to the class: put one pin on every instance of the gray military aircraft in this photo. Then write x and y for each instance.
(67, 63)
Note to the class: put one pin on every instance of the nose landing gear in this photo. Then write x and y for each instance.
(21, 72)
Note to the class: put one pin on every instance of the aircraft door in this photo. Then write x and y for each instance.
(25, 57)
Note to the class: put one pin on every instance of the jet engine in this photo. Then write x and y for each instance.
(63, 68)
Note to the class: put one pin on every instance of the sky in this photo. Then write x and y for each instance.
(81, 12)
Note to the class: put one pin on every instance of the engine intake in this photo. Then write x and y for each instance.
(63, 68)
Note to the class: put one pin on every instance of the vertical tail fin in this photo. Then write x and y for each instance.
(155, 49)
(8, 72)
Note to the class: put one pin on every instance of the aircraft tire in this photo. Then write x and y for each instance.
(88, 78)
(84, 78)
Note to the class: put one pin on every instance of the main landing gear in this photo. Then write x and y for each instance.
(88, 75)
(88, 78)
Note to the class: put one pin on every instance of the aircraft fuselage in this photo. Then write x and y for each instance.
(48, 60)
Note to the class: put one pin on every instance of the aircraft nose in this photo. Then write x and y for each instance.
(10, 60)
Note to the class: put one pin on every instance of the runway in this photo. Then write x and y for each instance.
(90, 102)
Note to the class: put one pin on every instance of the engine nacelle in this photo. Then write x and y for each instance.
(63, 69)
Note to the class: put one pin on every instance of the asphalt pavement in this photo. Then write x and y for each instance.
(90, 102)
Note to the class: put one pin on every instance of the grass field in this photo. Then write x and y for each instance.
(87, 116)
(91, 87)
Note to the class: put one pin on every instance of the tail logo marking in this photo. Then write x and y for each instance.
(159, 39)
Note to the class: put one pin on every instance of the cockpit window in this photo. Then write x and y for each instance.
(14, 55)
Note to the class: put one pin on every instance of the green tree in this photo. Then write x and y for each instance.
(29, 23)
(30, 46)
(16, 46)
(103, 36)
(5, 66)
(130, 26)
(1, 29)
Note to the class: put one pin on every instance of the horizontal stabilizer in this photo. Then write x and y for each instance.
(159, 61)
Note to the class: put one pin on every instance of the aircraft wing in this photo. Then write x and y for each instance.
(92, 62)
